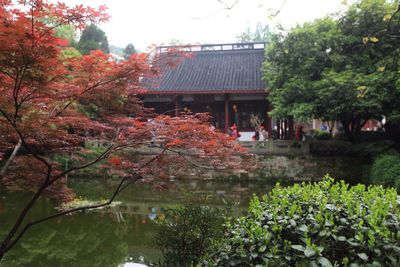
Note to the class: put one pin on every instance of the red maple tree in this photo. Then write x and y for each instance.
(44, 102)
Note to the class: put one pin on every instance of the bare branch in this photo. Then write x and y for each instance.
(228, 7)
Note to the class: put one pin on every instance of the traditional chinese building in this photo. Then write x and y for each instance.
(222, 79)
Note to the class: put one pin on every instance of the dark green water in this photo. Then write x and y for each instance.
(113, 236)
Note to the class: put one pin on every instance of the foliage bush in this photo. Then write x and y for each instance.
(322, 135)
(386, 171)
(184, 235)
(323, 224)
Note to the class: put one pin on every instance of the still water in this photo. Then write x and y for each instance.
(113, 236)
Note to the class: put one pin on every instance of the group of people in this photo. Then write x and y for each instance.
(261, 134)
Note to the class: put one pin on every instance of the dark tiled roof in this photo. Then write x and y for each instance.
(214, 71)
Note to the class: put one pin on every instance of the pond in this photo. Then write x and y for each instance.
(117, 235)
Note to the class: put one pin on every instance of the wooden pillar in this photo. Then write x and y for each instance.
(226, 112)
(278, 128)
(176, 106)
(269, 123)
(291, 127)
(285, 133)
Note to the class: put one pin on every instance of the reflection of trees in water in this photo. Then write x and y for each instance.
(84, 240)
(108, 237)
(197, 191)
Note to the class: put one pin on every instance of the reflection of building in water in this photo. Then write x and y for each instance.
(132, 264)
(147, 212)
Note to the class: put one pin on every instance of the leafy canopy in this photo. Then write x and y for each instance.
(342, 69)
(93, 38)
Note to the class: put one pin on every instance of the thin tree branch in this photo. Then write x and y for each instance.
(119, 189)
(184, 156)
(10, 159)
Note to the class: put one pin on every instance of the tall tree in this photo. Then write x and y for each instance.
(262, 33)
(343, 69)
(41, 94)
(175, 42)
(93, 38)
(129, 50)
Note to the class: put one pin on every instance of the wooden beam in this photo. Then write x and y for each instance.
(278, 128)
(269, 122)
(284, 133)
(291, 127)
(226, 112)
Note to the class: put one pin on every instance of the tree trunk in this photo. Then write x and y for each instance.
(348, 128)
(10, 159)
(352, 127)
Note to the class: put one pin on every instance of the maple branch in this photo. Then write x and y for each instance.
(7, 74)
(17, 105)
(24, 144)
(86, 90)
(185, 157)
(33, 153)
(99, 158)
(121, 186)
(46, 184)
(4, 247)
(10, 159)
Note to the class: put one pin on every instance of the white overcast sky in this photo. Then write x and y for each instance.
(146, 22)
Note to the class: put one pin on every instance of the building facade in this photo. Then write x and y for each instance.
(224, 80)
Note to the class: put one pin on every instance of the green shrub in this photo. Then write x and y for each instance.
(321, 224)
(386, 171)
(185, 234)
(322, 135)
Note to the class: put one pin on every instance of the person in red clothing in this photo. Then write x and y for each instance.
(234, 131)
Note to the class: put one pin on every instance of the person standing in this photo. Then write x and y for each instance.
(263, 134)
(256, 135)
(234, 131)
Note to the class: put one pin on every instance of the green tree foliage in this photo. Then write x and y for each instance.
(117, 50)
(93, 38)
(175, 42)
(386, 170)
(337, 69)
(129, 50)
(67, 32)
(70, 52)
(322, 224)
(262, 33)
(185, 235)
